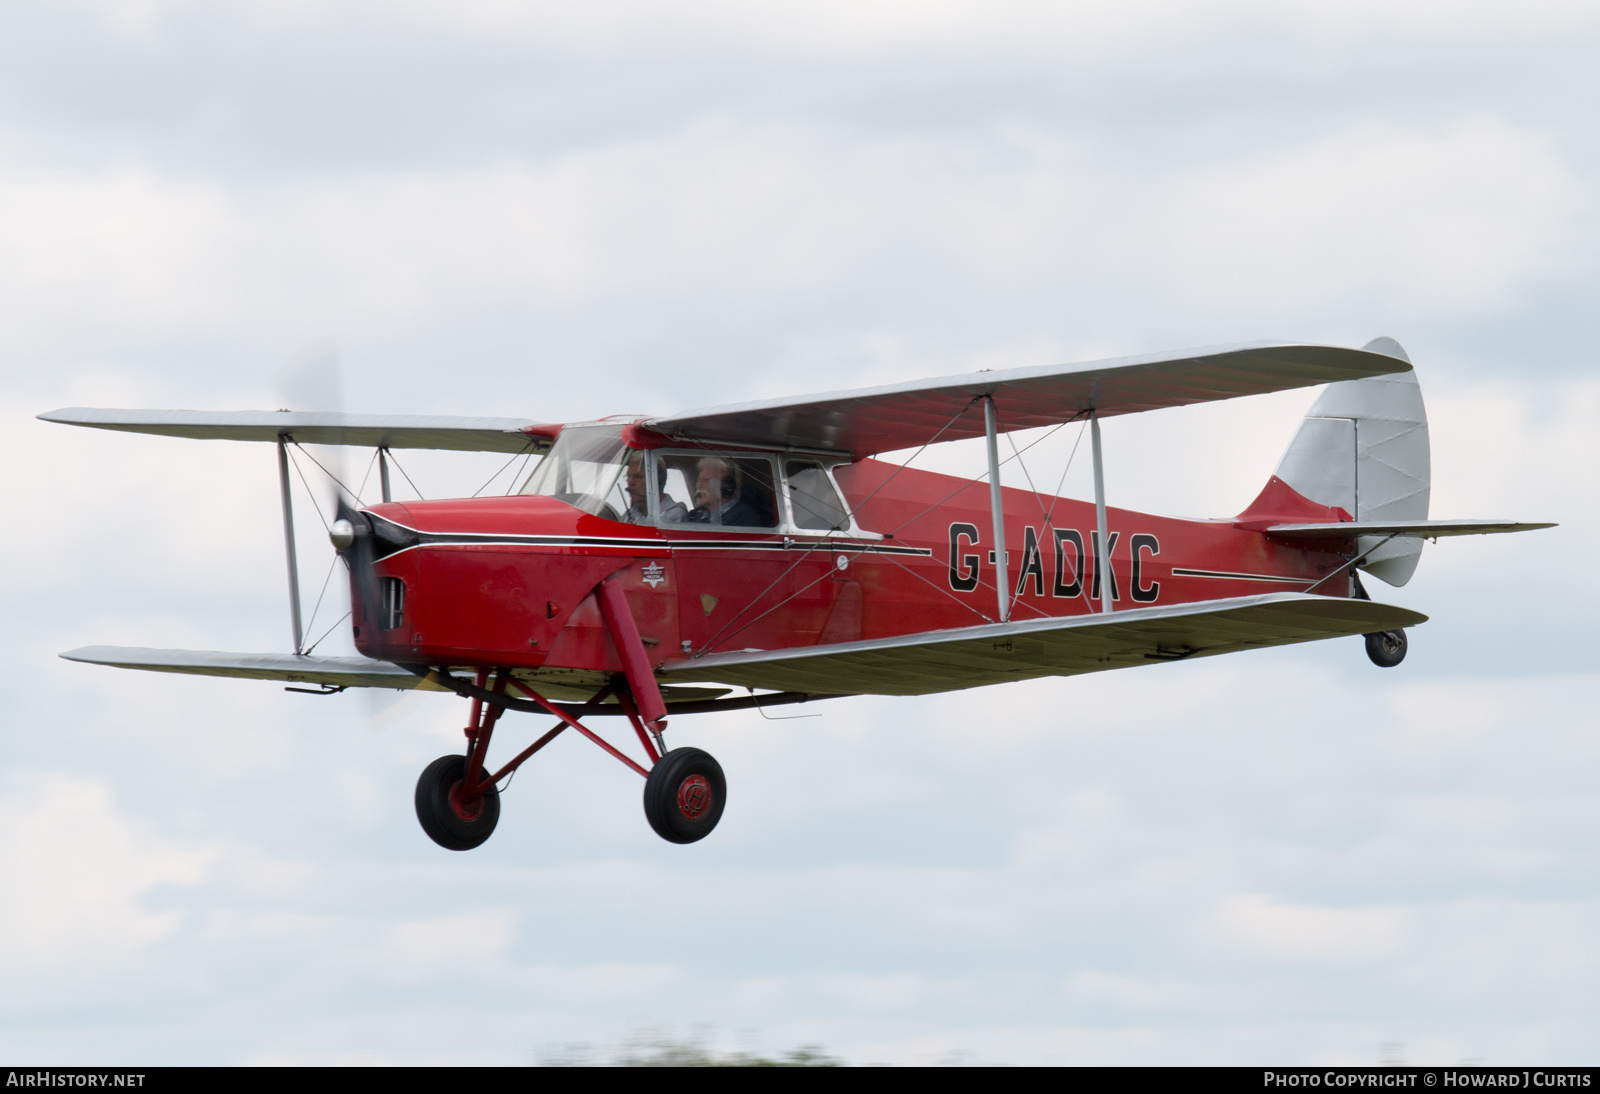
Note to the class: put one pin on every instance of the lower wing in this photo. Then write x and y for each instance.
(341, 672)
(338, 673)
(967, 657)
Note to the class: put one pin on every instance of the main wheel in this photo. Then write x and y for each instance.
(454, 824)
(1386, 648)
(684, 795)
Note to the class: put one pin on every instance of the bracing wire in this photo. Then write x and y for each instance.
(403, 474)
(1060, 485)
(328, 473)
(298, 471)
(1015, 595)
(931, 440)
(517, 477)
(1056, 497)
(373, 462)
(973, 482)
(497, 474)
(327, 632)
(323, 592)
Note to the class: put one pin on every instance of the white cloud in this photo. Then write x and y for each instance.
(1374, 218)
(82, 878)
(1258, 926)
(743, 220)
(1100, 34)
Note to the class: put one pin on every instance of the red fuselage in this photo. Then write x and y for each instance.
(506, 581)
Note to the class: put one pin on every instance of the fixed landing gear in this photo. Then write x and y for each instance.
(684, 790)
(684, 794)
(455, 822)
(1386, 648)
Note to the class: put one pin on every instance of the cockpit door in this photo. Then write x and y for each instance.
(745, 580)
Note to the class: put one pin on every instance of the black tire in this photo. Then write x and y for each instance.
(1386, 648)
(447, 823)
(684, 795)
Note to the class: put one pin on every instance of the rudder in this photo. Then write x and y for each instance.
(1363, 447)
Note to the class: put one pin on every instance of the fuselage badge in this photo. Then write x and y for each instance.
(654, 574)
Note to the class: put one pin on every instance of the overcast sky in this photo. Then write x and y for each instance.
(563, 211)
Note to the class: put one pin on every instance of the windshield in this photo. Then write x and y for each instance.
(584, 468)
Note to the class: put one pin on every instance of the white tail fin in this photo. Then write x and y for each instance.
(1363, 447)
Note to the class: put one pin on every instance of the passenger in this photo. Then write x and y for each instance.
(672, 512)
(716, 496)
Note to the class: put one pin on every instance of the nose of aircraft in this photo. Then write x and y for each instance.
(482, 580)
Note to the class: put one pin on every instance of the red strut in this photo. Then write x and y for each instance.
(630, 647)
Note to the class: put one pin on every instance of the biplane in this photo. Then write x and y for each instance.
(651, 567)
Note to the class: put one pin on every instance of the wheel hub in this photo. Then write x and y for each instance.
(694, 796)
(466, 809)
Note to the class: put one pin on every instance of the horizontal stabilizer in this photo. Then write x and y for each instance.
(315, 427)
(1423, 529)
(348, 672)
(921, 664)
(865, 421)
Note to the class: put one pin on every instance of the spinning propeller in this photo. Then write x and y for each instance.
(352, 536)
(311, 380)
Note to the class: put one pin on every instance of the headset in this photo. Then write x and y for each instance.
(730, 482)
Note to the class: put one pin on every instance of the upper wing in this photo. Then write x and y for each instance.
(1423, 529)
(920, 664)
(315, 427)
(882, 419)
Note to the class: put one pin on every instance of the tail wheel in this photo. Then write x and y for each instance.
(452, 822)
(1386, 648)
(684, 794)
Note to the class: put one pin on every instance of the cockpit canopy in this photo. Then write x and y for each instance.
(590, 467)
(584, 469)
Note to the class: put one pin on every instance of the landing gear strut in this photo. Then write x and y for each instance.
(1386, 649)
(458, 802)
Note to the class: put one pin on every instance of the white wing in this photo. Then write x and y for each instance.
(315, 427)
(969, 657)
(882, 419)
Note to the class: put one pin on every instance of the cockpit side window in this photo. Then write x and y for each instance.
(717, 489)
(675, 484)
(813, 501)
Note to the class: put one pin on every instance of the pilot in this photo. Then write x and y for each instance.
(672, 512)
(716, 495)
